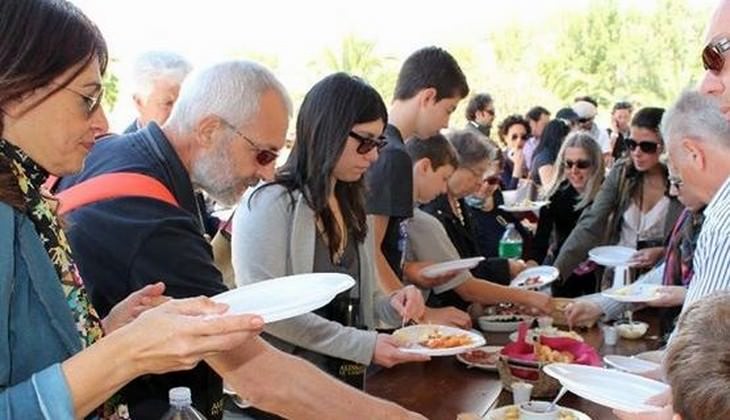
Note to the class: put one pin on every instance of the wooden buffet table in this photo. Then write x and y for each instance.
(444, 387)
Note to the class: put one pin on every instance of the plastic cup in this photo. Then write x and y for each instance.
(521, 392)
(610, 335)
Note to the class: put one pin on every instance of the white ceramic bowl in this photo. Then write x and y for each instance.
(632, 331)
(535, 410)
(501, 323)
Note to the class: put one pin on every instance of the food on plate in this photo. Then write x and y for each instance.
(481, 357)
(546, 354)
(632, 330)
(437, 340)
(513, 413)
(513, 318)
(531, 281)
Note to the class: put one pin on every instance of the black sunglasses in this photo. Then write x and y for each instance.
(492, 180)
(585, 120)
(644, 146)
(713, 55)
(580, 164)
(368, 143)
(518, 136)
(263, 156)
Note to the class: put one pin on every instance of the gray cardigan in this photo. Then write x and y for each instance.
(600, 224)
(274, 236)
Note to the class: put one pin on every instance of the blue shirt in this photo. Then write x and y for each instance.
(121, 245)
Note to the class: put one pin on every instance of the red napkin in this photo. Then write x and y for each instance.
(584, 353)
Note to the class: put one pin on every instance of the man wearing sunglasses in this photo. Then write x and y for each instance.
(480, 113)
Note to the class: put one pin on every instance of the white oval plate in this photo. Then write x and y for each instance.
(546, 274)
(611, 256)
(501, 412)
(486, 366)
(492, 323)
(409, 337)
(521, 208)
(285, 297)
(634, 293)
(630, 364)
(451, 266)
(607, 387)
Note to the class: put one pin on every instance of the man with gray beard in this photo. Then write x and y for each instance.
(222, 136)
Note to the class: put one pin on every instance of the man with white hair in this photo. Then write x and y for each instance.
(157, 76)
(223, 135)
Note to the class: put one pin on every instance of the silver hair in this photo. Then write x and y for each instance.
(698, 117)
(472, 148)
(155, 65)
(231, 90)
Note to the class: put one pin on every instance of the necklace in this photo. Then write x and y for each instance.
(456, 207)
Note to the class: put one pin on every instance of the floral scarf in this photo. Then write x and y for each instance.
(30, 180)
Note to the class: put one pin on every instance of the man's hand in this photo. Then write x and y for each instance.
(449, 316)
(669, 296)
(582, 312)
(130, 308)
(413, 271)
(409, 303)
(388, 354)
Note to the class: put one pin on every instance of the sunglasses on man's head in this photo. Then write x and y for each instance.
(713, 55)
(368, 143)
(580, 164)
(644, 146)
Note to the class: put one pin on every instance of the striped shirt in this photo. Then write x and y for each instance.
(712, 256)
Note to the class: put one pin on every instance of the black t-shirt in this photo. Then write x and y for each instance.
(390, 193)
(123, 244)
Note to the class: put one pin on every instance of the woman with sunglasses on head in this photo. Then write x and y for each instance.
(311, 219)
(543, 161)
(633, 207)
(578, 178)
(513, 133)
(476, 157)
(59, 360)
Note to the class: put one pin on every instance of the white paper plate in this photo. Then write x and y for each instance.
(611, 256)
(411, 336)
(630, 364)
(655, 356)
(486, 366)
(497, 323)
(635, 293)
(607, 387)
(546, 274)
(520, 208)
(286, 297)
(501, 412)
(451, 266)
(533, 333)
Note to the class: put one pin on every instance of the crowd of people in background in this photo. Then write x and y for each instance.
(374, 191)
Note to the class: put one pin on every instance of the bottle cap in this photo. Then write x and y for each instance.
(180, 396)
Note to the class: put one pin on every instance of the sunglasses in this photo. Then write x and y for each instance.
(492, 180)
(644, 146)
(368, 143)
(585, 120)
(263, 156)
(91, 103)
(580, 164)
(519, 136)
(713, 55)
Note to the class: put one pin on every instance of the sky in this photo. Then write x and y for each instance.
(296, 31)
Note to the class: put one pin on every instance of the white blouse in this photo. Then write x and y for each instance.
(639, 226)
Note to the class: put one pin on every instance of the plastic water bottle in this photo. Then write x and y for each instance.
(181, 406)
(510, 246)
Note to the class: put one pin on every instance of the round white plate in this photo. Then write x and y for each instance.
(611, 256)
(486, 366)
(524, 207)
(607, 387)
(501, 412)
(451, 266)
(409, 337)
(545, 273)
(630, 364)
(635, 293)
(285, 297)
(498, 323)
(547, 332)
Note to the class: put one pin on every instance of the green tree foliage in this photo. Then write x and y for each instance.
(110, 84)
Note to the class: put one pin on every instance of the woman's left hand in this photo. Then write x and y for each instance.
(409, 303)
(127, 310)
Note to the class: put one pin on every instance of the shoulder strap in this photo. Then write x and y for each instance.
(114, 185)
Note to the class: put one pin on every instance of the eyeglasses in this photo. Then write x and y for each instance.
(675, 181)
(92, 103)
(580, 164)
(263, 156)
(644, 146)
(519, 136)
(489, 111)
(492, 180)
(585, 120)
(368, 143)
(713, 55)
